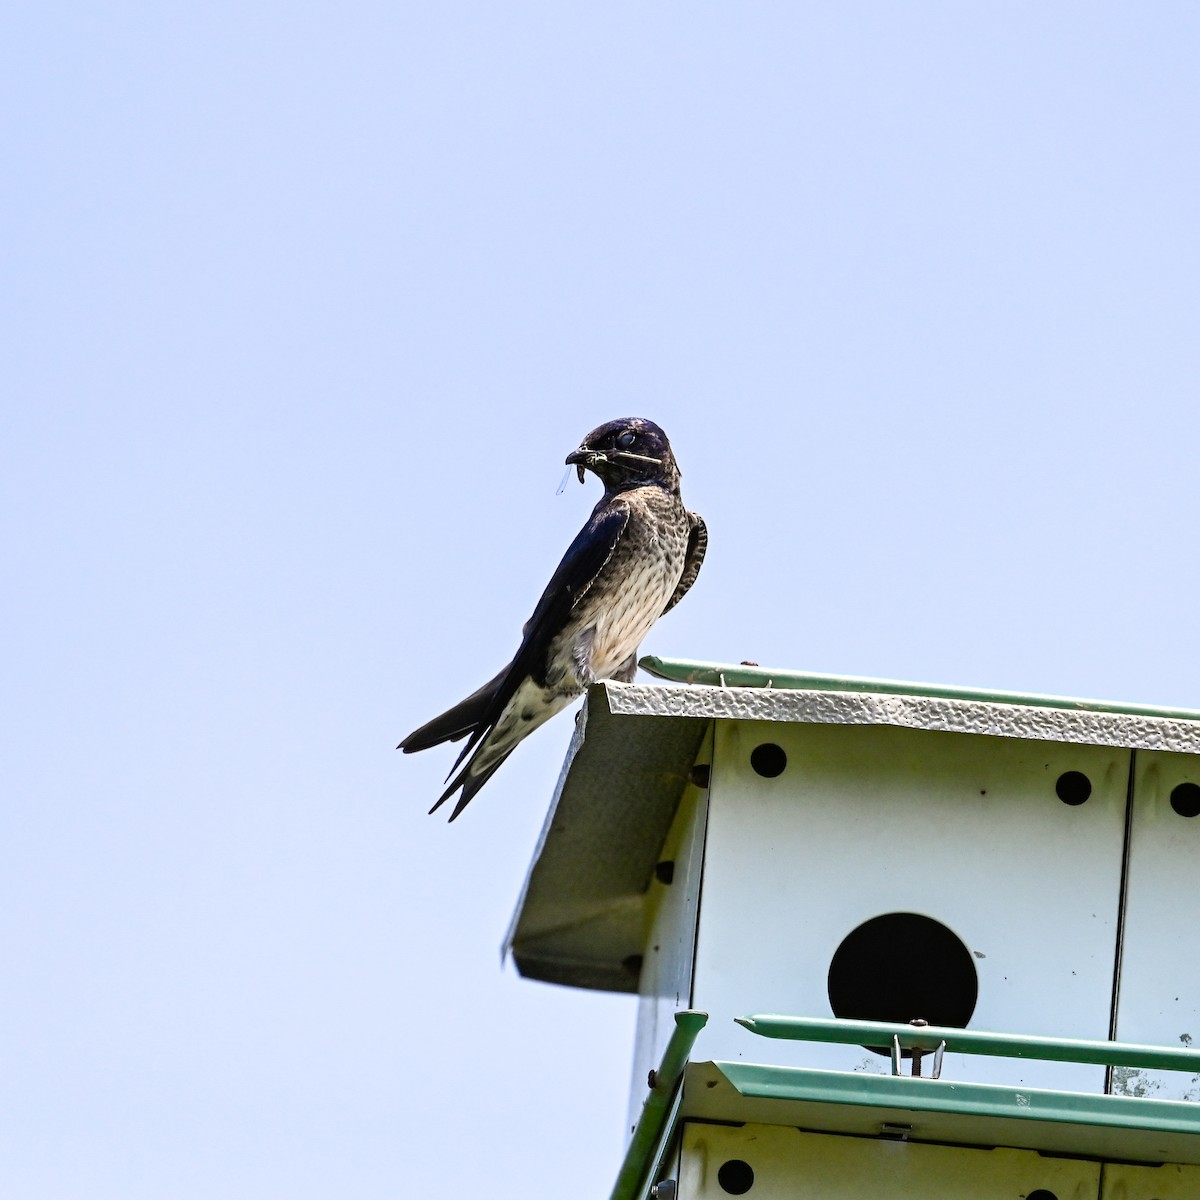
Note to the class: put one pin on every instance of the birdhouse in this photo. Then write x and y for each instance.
(887, 939)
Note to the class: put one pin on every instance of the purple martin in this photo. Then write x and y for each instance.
(634, 560)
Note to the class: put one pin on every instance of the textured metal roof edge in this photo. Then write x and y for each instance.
(692, 671)
(916, 711)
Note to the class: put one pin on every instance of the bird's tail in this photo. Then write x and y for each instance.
(466, 717)
(469, 779)
(474, 719)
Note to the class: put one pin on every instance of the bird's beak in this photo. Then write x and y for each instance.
(583, 458)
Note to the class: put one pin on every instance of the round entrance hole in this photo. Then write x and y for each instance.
(903, 967)
(1073, 787)
(736, 1176)
(768, 760)
(1185, 799)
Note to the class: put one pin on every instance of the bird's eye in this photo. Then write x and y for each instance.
(626, 439)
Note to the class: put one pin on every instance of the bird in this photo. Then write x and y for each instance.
(634, 560)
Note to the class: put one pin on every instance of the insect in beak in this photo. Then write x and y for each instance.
(583, 458)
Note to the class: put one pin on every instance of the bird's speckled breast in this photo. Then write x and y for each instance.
(631, 591)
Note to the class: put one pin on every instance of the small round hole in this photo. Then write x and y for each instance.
(1185, 799)
(735, 1177)
(1041, 1194)
(768, 759)
(1073, 787)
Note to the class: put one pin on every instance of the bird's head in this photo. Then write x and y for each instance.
(627, 453)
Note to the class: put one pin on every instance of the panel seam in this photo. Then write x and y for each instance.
(1122, 901)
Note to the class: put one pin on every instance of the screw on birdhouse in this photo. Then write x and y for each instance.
(917, 1053)
(938, 1053)
(664, 1190)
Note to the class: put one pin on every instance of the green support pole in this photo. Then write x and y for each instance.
(665, 1081)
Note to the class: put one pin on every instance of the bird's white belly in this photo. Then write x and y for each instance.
(621, 624)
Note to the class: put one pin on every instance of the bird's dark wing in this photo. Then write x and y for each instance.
(697, 545)
(584, 560)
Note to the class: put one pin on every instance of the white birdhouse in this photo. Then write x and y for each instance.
(865, 885)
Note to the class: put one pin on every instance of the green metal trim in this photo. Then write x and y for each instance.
(971, 1041)
(664, 1082)
(964, 1099)
(685, 670)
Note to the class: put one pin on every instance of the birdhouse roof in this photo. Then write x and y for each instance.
(580, 917)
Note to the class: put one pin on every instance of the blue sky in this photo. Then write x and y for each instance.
(304, 306)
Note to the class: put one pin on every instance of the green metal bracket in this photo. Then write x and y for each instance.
(970, 1041)
(663, 1084)
(684, 670)
(904, 1092)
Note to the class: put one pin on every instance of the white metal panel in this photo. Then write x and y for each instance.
(788, 1164)
(1160, 966)
(580, 914)
(1170, 1181)
(965, 829)
(665, 983)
